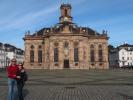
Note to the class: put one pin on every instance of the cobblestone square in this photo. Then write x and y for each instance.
(75, 85)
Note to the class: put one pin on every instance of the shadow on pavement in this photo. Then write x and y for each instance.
(126, 97)
(25, 92)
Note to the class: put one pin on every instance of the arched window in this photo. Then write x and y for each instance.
(76, 59)
(56, 55)
(100, 53)
(39, 54)
(32, 56)
(92, 53)
(76, 52)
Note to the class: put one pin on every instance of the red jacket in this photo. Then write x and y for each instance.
(12, 71)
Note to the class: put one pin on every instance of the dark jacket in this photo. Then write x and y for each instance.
(23, 77)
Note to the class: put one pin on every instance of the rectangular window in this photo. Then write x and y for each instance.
(100, 56)
(76, 59)
(123, 63)
(92, 53)
(40, 56)
(32, 56)
(55, 54)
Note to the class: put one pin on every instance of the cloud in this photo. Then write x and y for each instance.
(29, 18)
(18, 16)
(16, 22)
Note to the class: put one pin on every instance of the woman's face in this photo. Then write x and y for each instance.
(13, 63)
(20, 67)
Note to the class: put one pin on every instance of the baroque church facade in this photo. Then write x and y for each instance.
(66, 45)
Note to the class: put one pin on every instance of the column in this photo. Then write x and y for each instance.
(61, 55)
(88, 56)
(105, 56)
(71, 55)
(51, 53)
(27, 56)
(80, 55)
(96, 56)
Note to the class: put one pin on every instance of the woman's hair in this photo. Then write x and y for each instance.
(20, 64)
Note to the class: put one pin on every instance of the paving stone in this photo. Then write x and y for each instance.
(74, 85)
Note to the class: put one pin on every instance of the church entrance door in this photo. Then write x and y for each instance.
(66, 63)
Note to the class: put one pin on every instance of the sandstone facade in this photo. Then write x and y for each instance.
(66, 46)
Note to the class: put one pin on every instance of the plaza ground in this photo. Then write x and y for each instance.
(75, 85)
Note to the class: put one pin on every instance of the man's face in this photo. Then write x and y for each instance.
(13, 62)
(20, 67)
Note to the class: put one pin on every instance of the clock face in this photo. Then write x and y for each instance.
(65, 19)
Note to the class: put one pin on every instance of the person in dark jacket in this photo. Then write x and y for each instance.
(21, 81)
(12, 71)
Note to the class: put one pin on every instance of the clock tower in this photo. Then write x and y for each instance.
(65, 13)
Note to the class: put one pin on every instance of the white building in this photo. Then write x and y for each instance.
(19, 55)
(8, 52)
(1, 58)
(122, 56)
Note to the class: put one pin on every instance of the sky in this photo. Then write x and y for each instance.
(19, 16)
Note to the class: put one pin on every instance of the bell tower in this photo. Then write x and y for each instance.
(65, 13)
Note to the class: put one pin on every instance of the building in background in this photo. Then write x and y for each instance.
(2, 56)
(122, 56)
(66, 45)
(7, 52)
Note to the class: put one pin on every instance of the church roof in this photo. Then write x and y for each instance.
(76, 29)
(40, 32)
(126, 45)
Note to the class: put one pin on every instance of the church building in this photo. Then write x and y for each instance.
(66, 46)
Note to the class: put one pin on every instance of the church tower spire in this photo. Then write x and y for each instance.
(65, 13)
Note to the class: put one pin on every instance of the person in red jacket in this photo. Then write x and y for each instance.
(12, 71)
